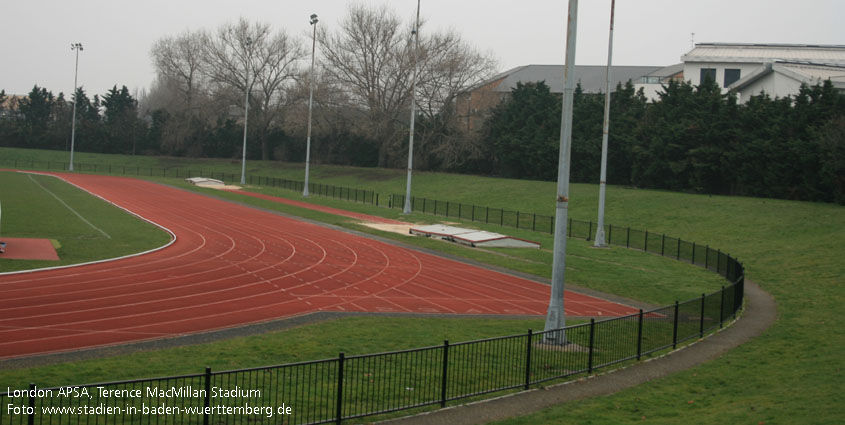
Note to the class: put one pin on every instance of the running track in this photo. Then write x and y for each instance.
(232, 265)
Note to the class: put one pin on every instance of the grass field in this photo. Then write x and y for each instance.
(791, 374)
(84, 228)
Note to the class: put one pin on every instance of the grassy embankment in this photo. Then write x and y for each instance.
(794, 250)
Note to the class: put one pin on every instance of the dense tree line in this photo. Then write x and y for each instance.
(109, 123)
(693, 138)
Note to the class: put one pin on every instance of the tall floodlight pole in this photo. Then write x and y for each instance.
(310, 102)
(77, 47)
(248, 45)
(600, 242)
(555, 318)
(407, 208)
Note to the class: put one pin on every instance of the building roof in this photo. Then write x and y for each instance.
(808, 73)
(667, 71)
(752, 53)
(591, 77)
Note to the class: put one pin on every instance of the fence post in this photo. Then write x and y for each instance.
(487, 215)
(628, 239)
(460, 210)
(517, 219)
(693, 253)
(592, 338)
(645, 243)
(663, 246)
(640, 336)
(722, 307)
(528, 359)
(701, 324)
(707, 257)
(679, 249)
(718, 260)
(30, 420)
(675, 328)
(534, 223)
(339, 410)
(207, 396)
(445, 373)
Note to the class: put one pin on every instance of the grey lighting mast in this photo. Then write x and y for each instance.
(77, 47)
(555, 318)
(248, 45)
(407, 208)
(600, 242)
(310, 102)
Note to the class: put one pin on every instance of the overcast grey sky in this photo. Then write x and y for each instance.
(117, 34)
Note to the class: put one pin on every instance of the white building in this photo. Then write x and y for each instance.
(776, 69)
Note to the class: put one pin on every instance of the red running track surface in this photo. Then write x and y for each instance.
(232, 265)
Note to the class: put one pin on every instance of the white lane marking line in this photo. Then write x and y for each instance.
(68, 207)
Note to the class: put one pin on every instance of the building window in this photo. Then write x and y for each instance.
(731, 76)
(708, 73)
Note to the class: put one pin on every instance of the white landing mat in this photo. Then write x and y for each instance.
(471, 237)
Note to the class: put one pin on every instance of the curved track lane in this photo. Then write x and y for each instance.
(232, 265)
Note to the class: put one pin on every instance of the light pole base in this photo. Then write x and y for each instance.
(599, 242)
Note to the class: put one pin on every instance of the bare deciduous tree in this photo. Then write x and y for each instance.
(370, 56)
(202, 77)
(178, 60)
(270, 60)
